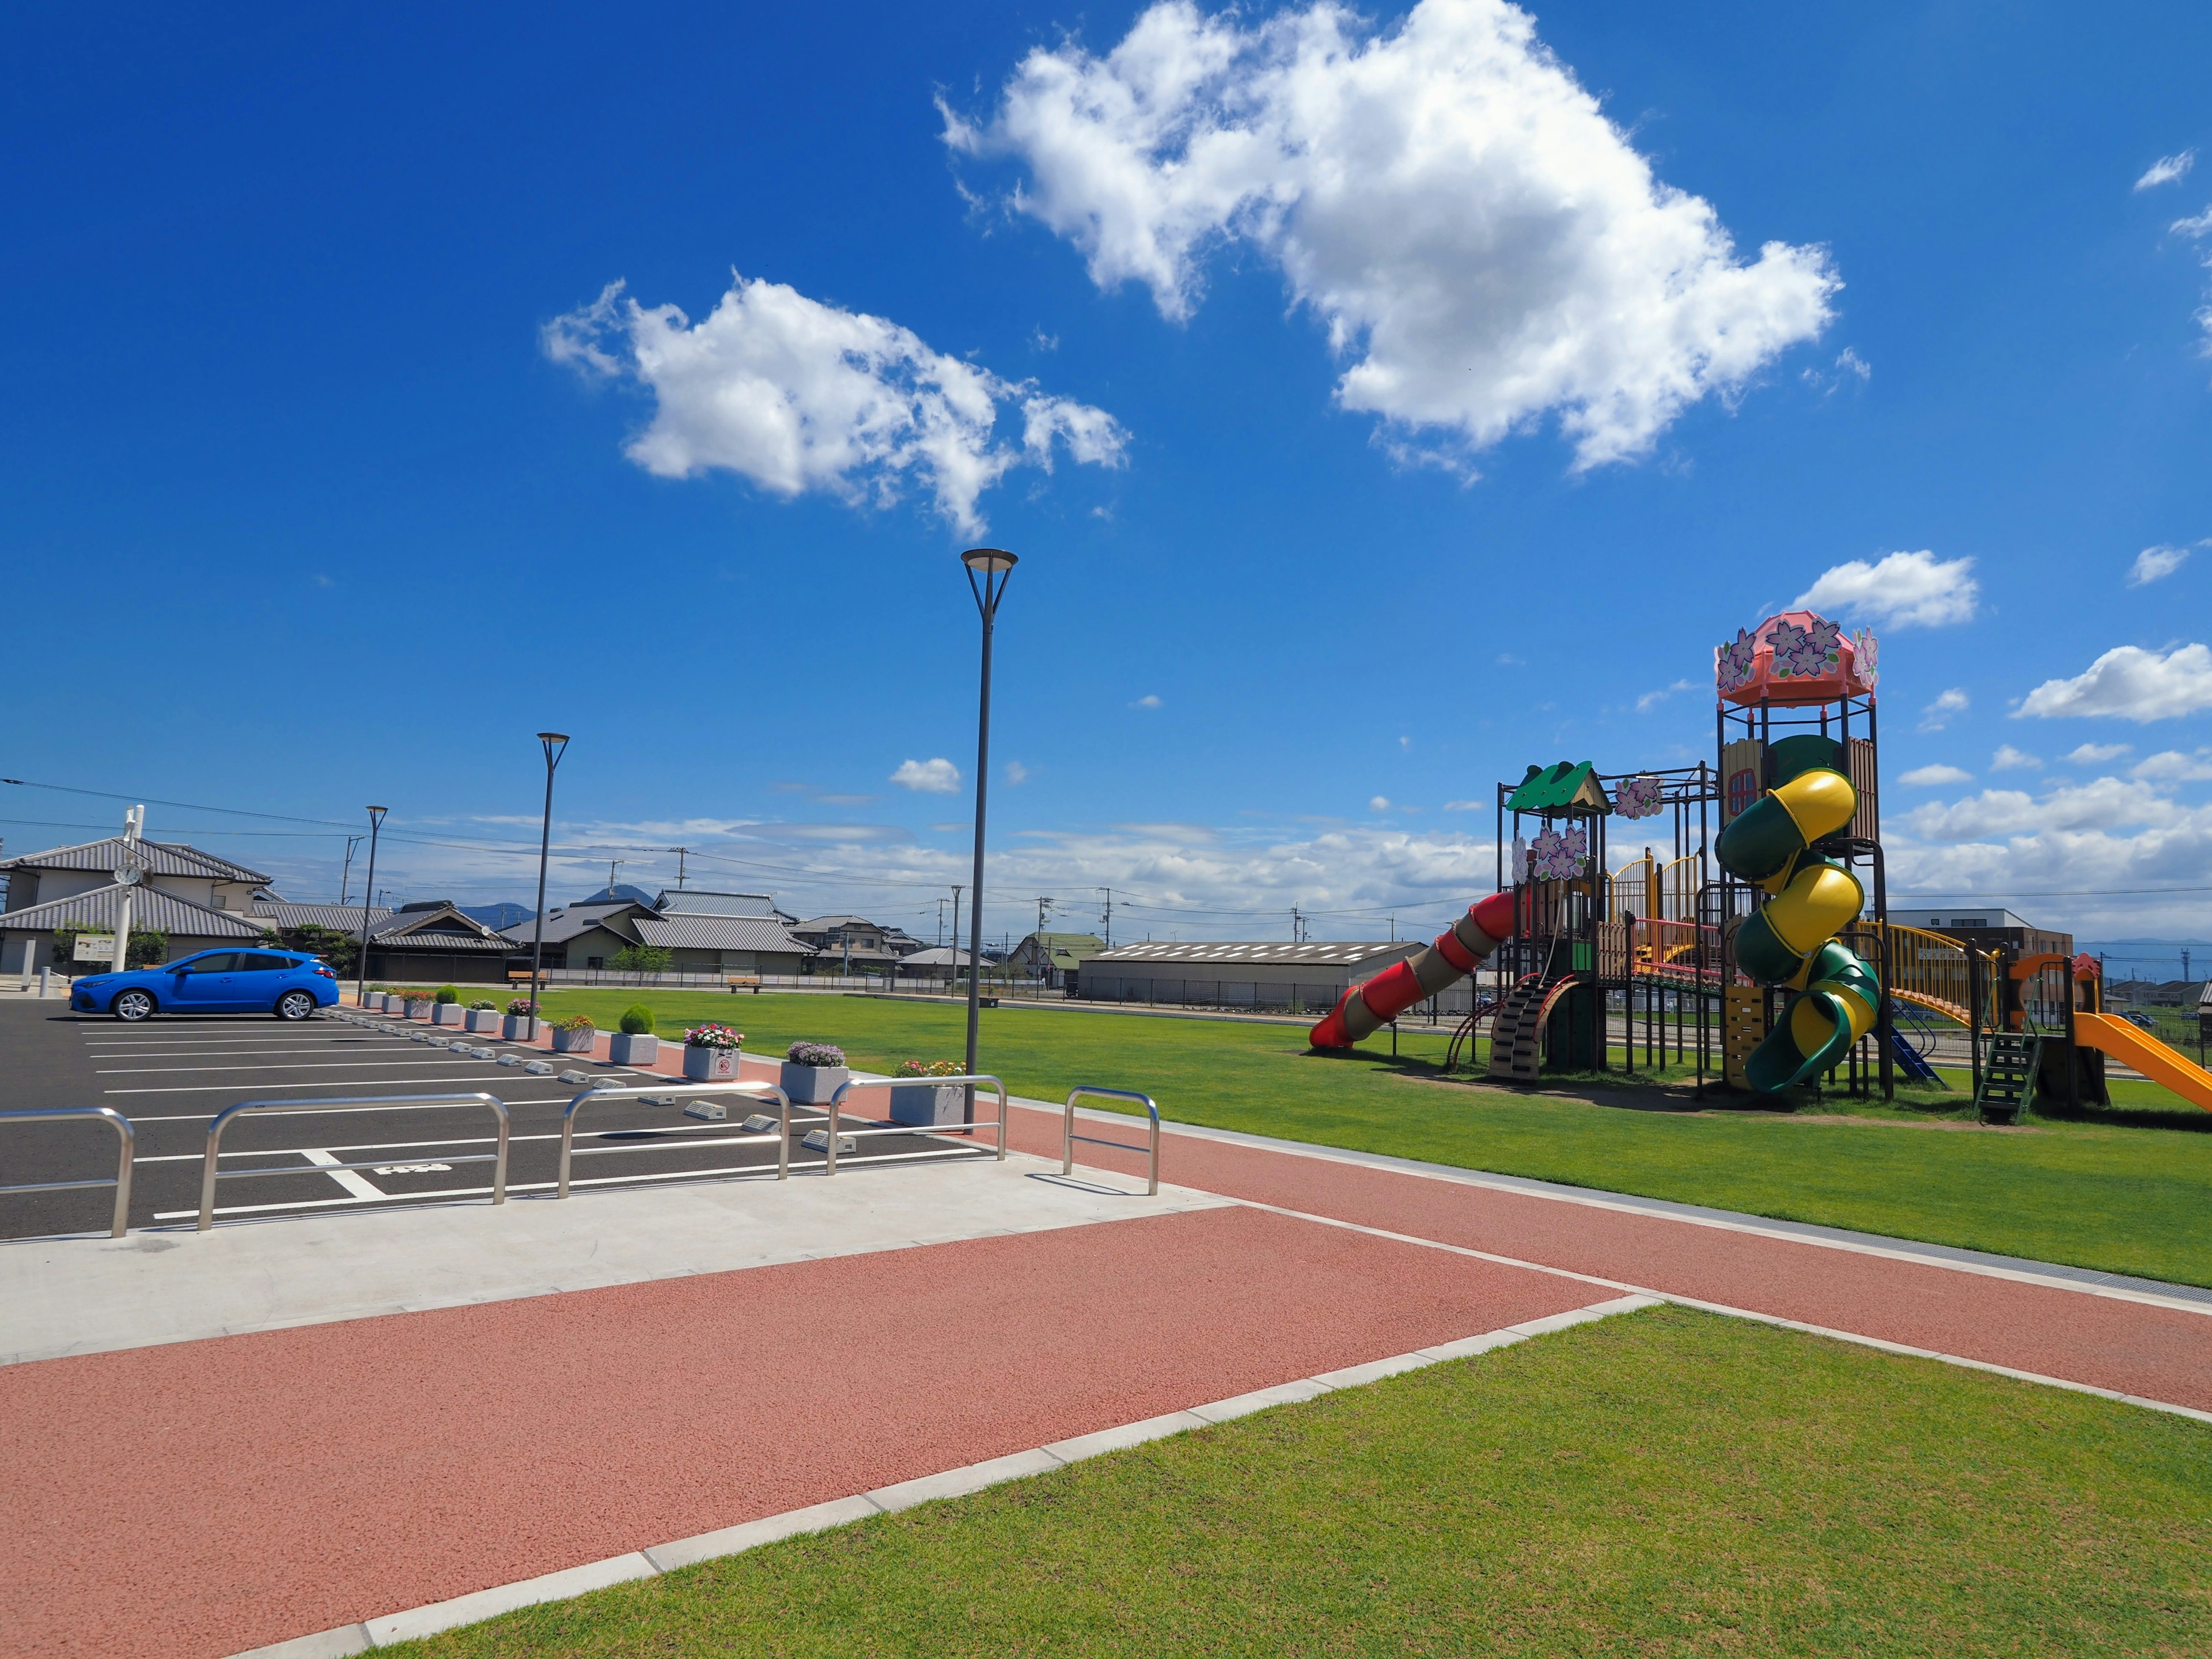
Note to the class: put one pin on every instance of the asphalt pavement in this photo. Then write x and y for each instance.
(170, 1076)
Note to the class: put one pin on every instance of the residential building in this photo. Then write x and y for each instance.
(940, 961)
(701, 902)
(1299, 976)
(1054, 957)
(1985, 927)
(198, 900)
(706, 942)
(436, 940)
(582, 936)
(850, 945)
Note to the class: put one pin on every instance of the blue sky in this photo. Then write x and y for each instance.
(1411, 417)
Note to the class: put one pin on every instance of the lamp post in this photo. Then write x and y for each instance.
(367, 897)
(129, 870)
(988, 568)
(556, 745)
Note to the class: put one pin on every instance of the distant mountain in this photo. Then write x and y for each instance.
(497, 916)
(624, 894)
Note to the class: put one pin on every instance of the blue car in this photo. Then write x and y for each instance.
(285, 983)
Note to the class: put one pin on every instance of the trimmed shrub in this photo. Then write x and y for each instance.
(638, 1020)
(449, 994)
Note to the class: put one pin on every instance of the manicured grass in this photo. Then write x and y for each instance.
(1669, 1482)
(2127, 1199)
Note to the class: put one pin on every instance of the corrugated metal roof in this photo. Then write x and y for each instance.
(161, 858)
(151, 910)
(695, 902)
(719, 933)
(337, 918)
(1217, 953)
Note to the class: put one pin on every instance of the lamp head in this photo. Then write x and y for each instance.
(552, 737)
(988, 560)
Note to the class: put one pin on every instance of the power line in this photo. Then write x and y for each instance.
(190, 806)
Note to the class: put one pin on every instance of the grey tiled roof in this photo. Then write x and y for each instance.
(720, 933)
(151, 909)
(161, 858)
(564, 924)
(437, 927)
(337, 918)
(695, 902)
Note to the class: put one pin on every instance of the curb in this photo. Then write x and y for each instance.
(387, 1629)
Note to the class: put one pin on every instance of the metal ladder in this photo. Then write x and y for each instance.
(2008, 1077)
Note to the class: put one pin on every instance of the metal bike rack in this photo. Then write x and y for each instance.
(1068, 1137)
(837, 1102)
(210, 1173)
(126, 1151)
(781, 1136)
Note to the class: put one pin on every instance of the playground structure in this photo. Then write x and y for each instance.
(1758, 940)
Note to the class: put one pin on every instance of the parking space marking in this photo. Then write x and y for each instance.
(348, 1082)
(287, 1065)
(349, 1179)
(343, 1111)
(132, 1051)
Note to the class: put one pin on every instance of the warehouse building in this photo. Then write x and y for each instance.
(1299, 978)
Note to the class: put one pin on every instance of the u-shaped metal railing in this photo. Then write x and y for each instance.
(1068, 1137)
(210, 1173)
(780, 1136)
(837, 1103)
(127, 1151)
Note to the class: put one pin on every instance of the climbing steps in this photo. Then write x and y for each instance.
(2009, 1076)
(1516, 1029)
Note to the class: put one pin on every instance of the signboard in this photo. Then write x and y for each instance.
(94, 947)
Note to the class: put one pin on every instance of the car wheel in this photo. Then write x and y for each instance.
(132, 1005)
(295, 1004)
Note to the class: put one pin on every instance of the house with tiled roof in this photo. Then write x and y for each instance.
(199, 900)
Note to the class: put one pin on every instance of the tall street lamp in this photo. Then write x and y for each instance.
(556, 745)
(368, 897)
(988, 568)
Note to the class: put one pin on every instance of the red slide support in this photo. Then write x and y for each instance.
(1458, 951)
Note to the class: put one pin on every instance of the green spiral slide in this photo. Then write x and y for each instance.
(1791, 941)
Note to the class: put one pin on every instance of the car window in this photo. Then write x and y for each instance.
(216, 962)
(258, 962)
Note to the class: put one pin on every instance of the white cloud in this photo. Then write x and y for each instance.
(1148, 701)
(2166, 169)
(2009, 759)
(1937, 714)
(1931, 777)
(1379, 803)
(1904, 589)
(1017, 773)
(1481, 243)
(931, 777)
(2196, 226)
(2096, 754)
(1651, 700)
(2172, 766)
(2153, 562)
(1465, 805)
(2129, 683)
(1405, 743)
(796, 396)
(2103, 804)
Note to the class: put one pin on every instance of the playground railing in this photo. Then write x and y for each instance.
(126, 1154)
(967, 1127)
(210, 1173)
(660, 1139)
(1150, 1149)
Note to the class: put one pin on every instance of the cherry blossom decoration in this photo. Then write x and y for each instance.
(1808, 652)
(1638, 798)
(1865, 655)
(1556, 857)
(1732, 663)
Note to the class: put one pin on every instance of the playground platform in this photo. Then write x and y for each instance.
(323, 1430)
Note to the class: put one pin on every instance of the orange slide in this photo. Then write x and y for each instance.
(2132, 1046)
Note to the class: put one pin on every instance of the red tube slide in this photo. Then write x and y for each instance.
(1458, 951)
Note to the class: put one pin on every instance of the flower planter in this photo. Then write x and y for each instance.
(928, 1102)
(705, 1065)
(812, 1085)
(626, 1050)
(447, 1013)
(518, 1028)
(418, 1007)
(574, 1042)
(372, 1002)
(482, 1019)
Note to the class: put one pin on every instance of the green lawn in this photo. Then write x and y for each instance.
(1668, 1482)
(2126, 1199)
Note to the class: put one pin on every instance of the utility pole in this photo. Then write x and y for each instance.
(1106, 920)
(345, 876)
(955, 938)
(1044, 905)
(613, 864)
(681, 853)
(129, 873)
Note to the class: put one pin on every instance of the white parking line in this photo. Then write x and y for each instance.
(288, 1065)
(122, 1051)
(341, 1111)
(345, 1082)
(349, 1179)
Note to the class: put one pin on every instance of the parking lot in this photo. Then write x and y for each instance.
(170, 1076)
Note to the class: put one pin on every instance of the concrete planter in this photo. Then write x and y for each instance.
(416, 1007)
(934, 1104)
(812, 1085)
(705, 1065)
(482, 1019)
(575, 1043)
(517, 1028)
(447, 1013)
(624, 1049)
(372, 1001)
